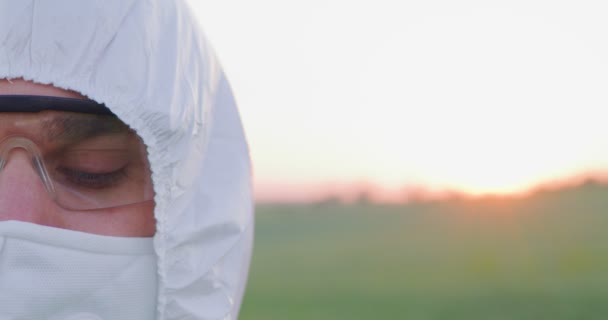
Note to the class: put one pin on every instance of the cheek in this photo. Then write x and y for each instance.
(135, 220)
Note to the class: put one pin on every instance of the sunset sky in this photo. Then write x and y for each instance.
(476, 96)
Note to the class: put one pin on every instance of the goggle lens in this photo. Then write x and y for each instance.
(85, 161)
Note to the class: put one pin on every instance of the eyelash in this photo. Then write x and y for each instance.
(91, 180)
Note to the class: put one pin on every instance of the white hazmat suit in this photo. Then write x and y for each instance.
(147, 61)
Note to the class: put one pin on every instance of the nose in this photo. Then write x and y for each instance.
(23, 196)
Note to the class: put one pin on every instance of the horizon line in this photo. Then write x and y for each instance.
(367, 191)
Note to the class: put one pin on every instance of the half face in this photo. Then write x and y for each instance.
(72, 170)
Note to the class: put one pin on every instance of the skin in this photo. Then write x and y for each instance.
(24, 198)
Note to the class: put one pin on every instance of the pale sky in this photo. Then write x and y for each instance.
(479, 96)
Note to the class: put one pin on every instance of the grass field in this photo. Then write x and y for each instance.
(541, 257)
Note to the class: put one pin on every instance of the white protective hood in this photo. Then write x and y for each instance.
(149, 63)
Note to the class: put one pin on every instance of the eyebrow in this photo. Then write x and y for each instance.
(72, 128)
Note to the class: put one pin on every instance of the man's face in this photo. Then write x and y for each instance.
(23, 195)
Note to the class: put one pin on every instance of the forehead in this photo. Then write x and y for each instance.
(50, 120)
(53, 124)
(23, 87)
(59, 128)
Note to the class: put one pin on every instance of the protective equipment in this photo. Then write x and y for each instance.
(78, 270)
(149, 64)
(85, 161)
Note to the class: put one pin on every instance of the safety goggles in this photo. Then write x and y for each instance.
(85, 156)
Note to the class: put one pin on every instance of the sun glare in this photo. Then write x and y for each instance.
(485, 100)
(476, 96)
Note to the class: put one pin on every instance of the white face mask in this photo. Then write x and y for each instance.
(50, 273)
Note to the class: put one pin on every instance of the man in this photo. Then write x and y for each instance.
(124, 173)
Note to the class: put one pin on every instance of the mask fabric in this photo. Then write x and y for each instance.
(57, 274)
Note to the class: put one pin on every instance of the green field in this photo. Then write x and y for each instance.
(542, 257)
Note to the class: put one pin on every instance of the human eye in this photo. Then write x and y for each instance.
(92, 169)
(92, 180)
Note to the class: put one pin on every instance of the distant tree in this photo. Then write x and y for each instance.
(364, 197)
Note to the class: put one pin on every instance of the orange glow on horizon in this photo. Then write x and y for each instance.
(356, 191)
